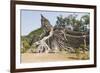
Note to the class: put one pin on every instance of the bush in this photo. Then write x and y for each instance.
(26, 46)
(77, 51)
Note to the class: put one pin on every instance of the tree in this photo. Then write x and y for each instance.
(84, 23)
(60, 20)
(70, 20)
(77, 26)
(85, 19)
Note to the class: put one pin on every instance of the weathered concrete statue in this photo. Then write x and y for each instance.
(57, 39)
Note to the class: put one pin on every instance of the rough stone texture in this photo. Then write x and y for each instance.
(62, 38)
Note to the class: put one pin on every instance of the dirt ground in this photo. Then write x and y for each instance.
(48, 57)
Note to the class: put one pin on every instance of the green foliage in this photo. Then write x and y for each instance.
(71, 19)
(80, 25)
(23, 50)
(81, 45)
(25, 44)
(36, 32)
(80, 55)
(31, 37)
(77, 51)
(85, 19)
(60, 20)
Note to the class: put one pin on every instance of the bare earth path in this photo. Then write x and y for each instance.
(46, 57)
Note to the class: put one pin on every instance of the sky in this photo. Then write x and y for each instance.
(31, 19)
